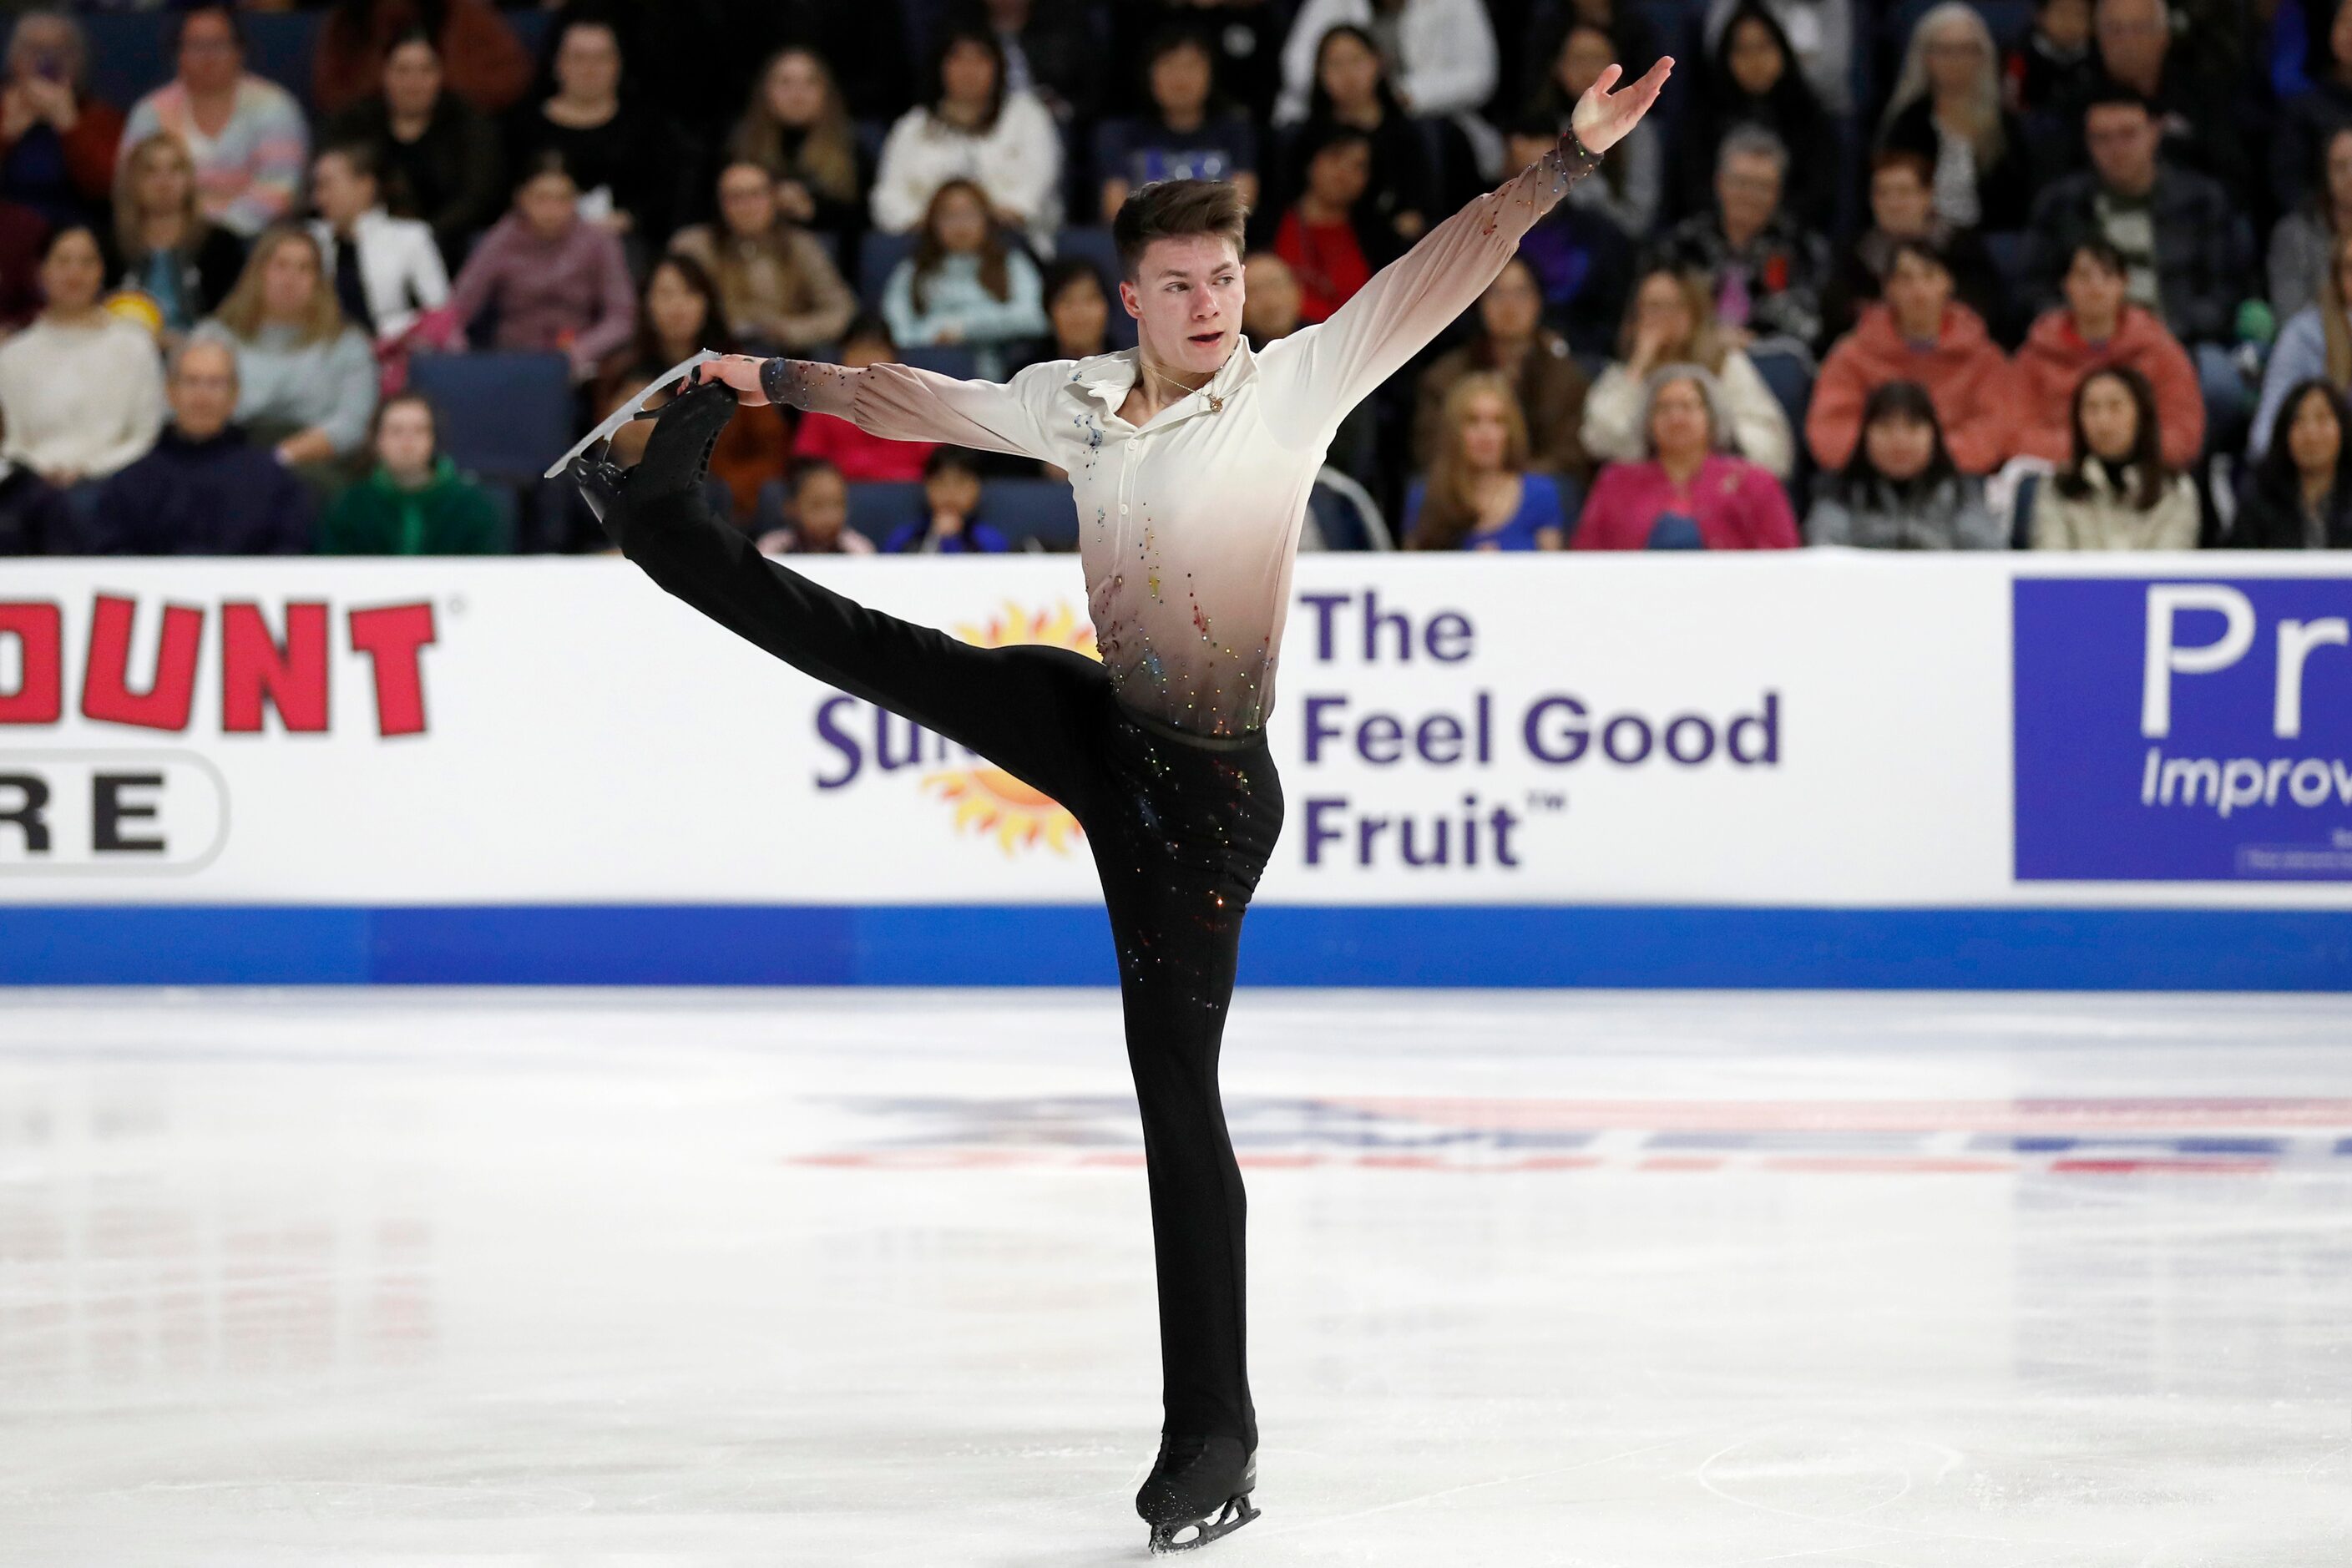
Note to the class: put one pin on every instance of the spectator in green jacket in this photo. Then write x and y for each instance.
(415, 502)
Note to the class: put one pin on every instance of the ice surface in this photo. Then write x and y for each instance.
(850, 1278)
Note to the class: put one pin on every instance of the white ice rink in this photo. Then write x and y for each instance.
(843, 1277)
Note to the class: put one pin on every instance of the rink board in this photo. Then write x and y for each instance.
(1817, 769)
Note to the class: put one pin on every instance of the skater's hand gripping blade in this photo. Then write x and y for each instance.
(629, 410)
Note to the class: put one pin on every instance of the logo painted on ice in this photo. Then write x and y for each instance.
(2183, 730)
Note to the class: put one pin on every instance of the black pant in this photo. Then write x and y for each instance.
(1180, 828)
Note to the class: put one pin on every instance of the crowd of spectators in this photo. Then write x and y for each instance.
(2056, 274)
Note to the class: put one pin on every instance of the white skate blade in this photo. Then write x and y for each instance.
(629, 410)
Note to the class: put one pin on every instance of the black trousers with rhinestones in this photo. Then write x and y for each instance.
(1179, 830)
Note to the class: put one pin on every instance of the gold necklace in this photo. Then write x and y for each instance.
(1216, 404)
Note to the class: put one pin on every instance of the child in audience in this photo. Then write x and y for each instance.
(951, 500)
(415, 502)
(817, 501)
(1901, 490)
(2119, 493)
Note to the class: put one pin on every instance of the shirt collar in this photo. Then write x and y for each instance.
(1108, 378)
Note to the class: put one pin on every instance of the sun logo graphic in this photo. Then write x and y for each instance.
(987, 799)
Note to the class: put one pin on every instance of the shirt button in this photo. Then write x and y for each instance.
(1122, 509)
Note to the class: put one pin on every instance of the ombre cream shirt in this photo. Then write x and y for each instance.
(1188, 524)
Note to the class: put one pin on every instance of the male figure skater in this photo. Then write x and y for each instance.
(1191, 459)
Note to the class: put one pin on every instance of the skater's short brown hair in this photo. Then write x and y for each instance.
(1177, 209)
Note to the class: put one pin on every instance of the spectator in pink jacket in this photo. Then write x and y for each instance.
(1690, 493)
(557, 281)
(1921, 333)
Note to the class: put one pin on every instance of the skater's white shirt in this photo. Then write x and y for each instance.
(1188, 524)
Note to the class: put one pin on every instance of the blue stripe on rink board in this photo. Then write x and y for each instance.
(1029, 945)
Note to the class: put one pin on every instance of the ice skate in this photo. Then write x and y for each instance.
(1200, 1485)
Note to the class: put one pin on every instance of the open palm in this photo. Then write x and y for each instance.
(1604, 117)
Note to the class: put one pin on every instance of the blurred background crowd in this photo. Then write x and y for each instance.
(1984, 273)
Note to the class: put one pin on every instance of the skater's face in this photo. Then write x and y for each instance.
(1080, 314)
(1187, 300)
(203, 389)
(821, 506)
(1350, 72)
(1179, 81)
(747, 199)
(2094, 292)
(1512, 305)
(1755, 59)
(549, 202)
(72, 272)
(2110, 418)
(411, 80)
(1900, 446)
(1485, 433)
(2315, 437)
(1900, 201)
(588, 62)
(404, 439)
(795, 89)
(290, 281)
(1583, 56)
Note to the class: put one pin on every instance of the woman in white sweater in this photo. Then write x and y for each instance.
(1004, 142)
(2118, 494)
(82, 388)
(1667, 321)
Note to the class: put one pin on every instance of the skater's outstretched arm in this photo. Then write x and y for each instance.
(1323, 371)
(901, 403)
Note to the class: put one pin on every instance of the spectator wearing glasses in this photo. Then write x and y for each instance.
(246, 136)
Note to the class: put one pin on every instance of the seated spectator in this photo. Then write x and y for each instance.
(857, 455)
(247, 135)
(81, 386)
(1946, 108)
(2196, 100)
(1920, 334)
(964, 284)
(1444, 51)
(2310, 119)
(680, 314)
(2305, 237)
(558, 282)
(799, 130)
(204, 490)
(386, 271)
(2053, 67)
(1667, 323)
(2316, 344)
(781, 292)
(1753, 83)
(1188, 134)
(35, 517)
(490, 69)
(1763, 268)
(1513, 344)
(1821, 32)
(1246, 35)
(306, 377)
(414, 502)
(1352, 88)
(58, 144)
(2117, 492)
(817, 502)
(1480, 493)
(624, 157)
(951, 500)
(2097, 326)
(1902, 206)
(973, 126)
(164, 247)
(1583, 262)
(1687, 493)
(1631, 183)
(1078, 309)
(1329, 251)
(2175, 228)
(1050, 51)
(2302, 495)
(1901, 490)
(437, 155)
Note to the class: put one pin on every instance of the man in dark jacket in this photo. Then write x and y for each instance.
(204, 490)
(34, 516)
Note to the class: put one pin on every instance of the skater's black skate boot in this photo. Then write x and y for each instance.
(677, 457)
(1198, 1484)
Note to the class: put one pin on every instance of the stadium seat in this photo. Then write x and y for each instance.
(505, 510)
(129, 58)
(505, 415)
(1345, 515)
(1025, 509)
(2021, 527)
(1789, 374)
(878, 255)
(1093, 242)
(877, 506)
(947, 359)
(281, 45)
